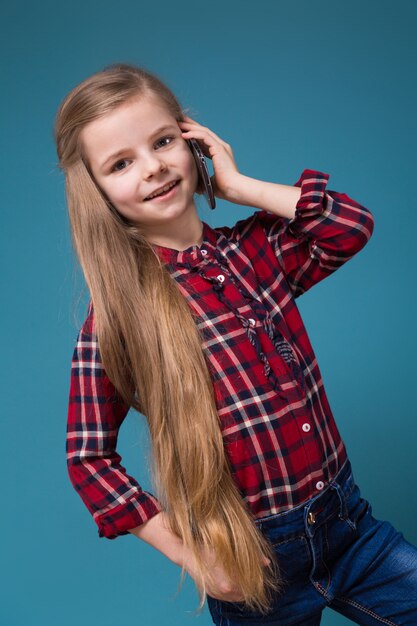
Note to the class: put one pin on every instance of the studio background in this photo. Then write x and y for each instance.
(290, 85)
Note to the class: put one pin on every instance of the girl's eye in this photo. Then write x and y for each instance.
(117, 167)
(122, 164)
(164, 141)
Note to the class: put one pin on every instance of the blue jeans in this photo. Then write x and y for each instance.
(333, 552)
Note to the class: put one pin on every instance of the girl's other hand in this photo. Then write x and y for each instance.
(226, 176)
(156, 531)
(219, 586)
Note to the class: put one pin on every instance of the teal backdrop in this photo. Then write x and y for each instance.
(325, 85)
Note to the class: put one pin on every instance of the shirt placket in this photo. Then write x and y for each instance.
(278, 340)
(283, 348)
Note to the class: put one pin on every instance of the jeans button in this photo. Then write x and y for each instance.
(311, 518)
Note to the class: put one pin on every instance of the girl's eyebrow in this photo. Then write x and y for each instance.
(123, 150)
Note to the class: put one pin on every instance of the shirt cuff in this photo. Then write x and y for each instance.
(312, 201)
(119, 520)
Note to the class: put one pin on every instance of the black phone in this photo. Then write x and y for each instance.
(203, 172)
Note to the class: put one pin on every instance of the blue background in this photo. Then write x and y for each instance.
(290, 85)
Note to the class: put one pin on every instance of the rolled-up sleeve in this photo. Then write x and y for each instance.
(328, 229)
(95, 414)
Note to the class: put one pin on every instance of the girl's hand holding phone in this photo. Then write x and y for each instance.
(229, 184)
(225, 180)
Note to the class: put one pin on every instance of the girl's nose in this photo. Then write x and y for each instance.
(152, 165)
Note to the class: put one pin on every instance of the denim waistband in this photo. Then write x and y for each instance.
(320, 507)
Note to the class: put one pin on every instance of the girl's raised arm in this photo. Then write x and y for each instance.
(327, 230)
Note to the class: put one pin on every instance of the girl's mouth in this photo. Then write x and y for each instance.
(166, 194)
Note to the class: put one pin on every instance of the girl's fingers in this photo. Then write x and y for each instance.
(201, 129)
(202, 144)
(206, 142)
(191, 126)
(189, 119)
(206, 139)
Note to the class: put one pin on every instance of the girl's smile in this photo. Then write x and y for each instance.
(145, 168)
(167, 191)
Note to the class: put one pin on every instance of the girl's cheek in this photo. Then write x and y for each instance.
(191, 167)
(186, 156)
(124, 190)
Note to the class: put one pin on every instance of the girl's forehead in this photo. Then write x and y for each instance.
(143, 112)
(146, 107)
(137, 119)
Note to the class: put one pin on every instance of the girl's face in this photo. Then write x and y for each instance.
(133, 152)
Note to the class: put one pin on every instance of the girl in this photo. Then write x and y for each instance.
(198, 329)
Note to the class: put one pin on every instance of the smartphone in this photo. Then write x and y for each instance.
(203, 172)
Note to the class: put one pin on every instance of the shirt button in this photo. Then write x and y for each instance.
(320, 485)
(306, 427)
(252, 322)
(220, 278)
(203, 252)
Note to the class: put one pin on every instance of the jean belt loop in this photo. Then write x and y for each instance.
(343, 506)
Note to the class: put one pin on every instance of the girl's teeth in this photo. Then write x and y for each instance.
(163, 192)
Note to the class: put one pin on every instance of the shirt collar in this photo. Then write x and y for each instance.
(194, 254)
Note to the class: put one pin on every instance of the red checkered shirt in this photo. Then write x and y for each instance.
(242, 282)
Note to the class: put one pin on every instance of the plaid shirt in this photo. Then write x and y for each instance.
(242, 282)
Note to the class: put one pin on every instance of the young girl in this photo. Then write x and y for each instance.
(198, 329)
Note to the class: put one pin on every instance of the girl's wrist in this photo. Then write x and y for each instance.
(242, 190)
(273, 197)
(156, 532)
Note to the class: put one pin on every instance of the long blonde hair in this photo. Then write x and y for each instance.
(151, 350)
